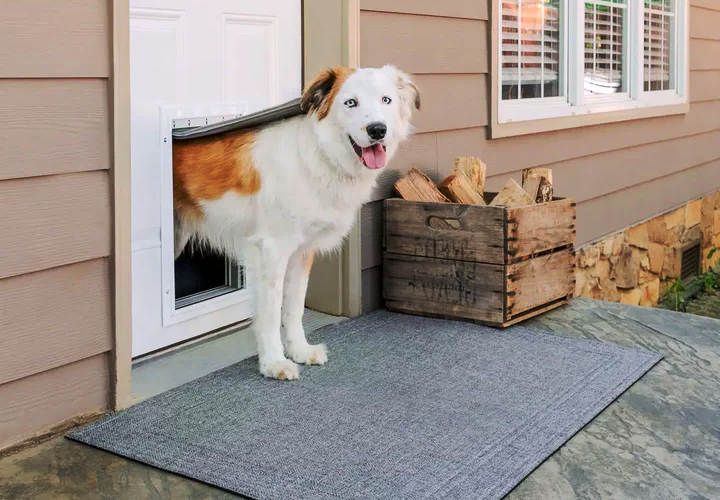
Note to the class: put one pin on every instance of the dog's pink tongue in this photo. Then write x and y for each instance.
(374, 156)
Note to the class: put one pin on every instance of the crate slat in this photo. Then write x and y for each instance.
(445, 230)
(537, 281)
(449, 287)
(539, 228)
(534, 312)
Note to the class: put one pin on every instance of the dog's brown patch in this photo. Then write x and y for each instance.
(308, 260)
(321, 92)
(206, 168)
(416, 98)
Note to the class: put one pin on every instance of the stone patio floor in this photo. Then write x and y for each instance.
(659, 440)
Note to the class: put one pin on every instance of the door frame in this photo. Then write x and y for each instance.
(335, 283)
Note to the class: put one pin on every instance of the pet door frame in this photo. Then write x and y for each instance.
(176, 311)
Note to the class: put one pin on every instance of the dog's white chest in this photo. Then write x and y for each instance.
(299, 213)
(331, 214)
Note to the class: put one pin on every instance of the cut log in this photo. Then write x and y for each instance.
(532, 186)
(458, 188)
(530, 173)
(545, 193)
(539, 188)
(474, 169)
(542, 190)
(512, 196)
(416, 186)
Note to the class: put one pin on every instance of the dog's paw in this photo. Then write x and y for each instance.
(280, 370)
(309, 354)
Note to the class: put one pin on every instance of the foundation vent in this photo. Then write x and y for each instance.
(690, 262)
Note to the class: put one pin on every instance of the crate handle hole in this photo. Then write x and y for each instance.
(443, 223)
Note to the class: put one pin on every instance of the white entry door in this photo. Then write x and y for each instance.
(200, 58)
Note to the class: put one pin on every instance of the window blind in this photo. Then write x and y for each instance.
(604, 47)
(659, 20)
(531, 50)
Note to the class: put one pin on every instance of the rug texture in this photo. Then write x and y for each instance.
(406, 408)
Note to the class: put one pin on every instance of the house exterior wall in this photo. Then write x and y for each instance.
(638, 265)
(620, 173)
(55, 199)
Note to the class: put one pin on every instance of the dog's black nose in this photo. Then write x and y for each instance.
(377, 131)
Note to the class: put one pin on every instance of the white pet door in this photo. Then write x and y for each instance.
(200, 281)
(201, 291)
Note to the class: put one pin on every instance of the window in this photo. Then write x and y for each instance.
(605, 48)
(531, 50)
(565, 57)
(659, 22)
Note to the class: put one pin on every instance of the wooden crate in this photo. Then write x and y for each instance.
(491, 265)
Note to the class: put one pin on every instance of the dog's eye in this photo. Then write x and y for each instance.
(351, 103)
(386, 100)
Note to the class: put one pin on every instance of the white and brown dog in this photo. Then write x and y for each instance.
(277, 194)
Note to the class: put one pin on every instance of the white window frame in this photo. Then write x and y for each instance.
(574, 102)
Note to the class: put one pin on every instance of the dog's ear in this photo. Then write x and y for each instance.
(407, 90)
(318, 96)
(416, 95)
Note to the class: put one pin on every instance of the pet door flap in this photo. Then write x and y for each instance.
(268, 115)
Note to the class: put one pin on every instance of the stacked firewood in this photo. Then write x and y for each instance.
(466, 185)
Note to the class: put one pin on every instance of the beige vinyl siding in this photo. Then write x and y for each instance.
(52, 39)
(514, 154)
(54, 220)
(707, 4)
(620, 173)
(53, 126)
(41, 401)
(55, 287)
(704, 23)
(446, 104)
(705, 86)
(460, 9)
(423, 44)
(704, 55)
(604, 214)
(35, 305)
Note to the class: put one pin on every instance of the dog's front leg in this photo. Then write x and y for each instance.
(294, 291)
(268, 264)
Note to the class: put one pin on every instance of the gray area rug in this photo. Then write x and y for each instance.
(407, 408)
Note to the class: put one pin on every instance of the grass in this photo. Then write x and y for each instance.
(700, 295)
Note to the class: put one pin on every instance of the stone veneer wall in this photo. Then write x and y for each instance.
(637, 265)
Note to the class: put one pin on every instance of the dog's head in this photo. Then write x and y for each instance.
(361, 115)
